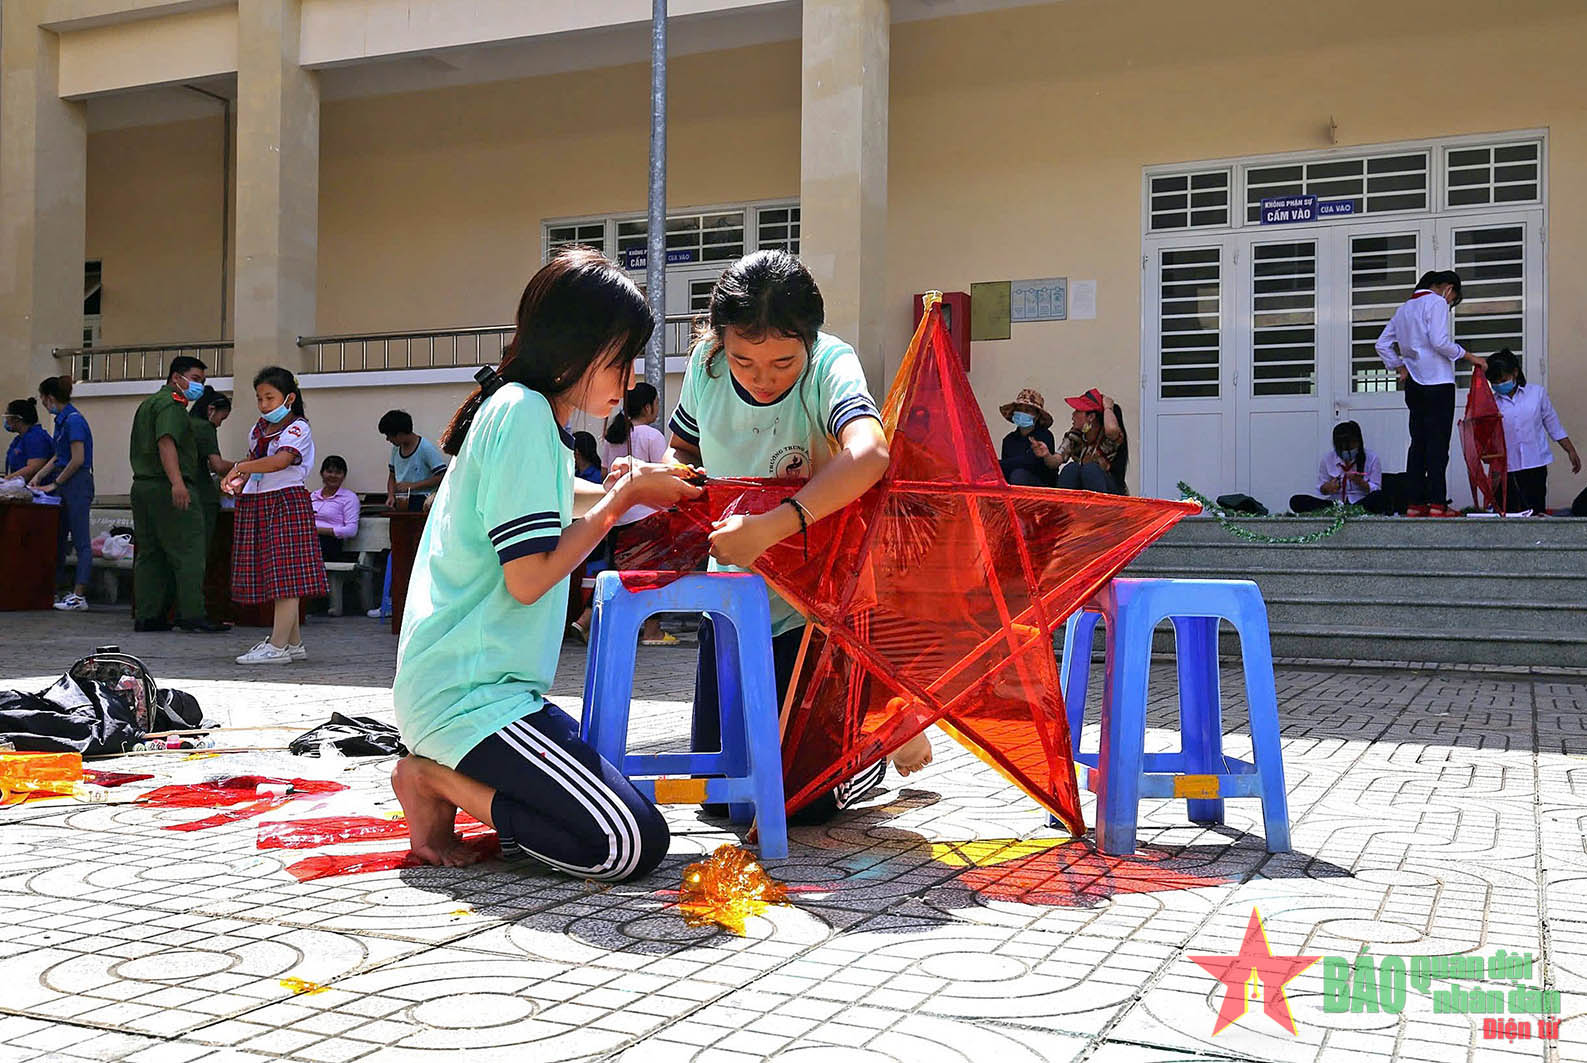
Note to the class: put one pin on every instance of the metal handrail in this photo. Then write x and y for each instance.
(140, 361)
(464, 346)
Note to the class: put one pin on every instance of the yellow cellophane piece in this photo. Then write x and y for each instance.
(22, 774)
(727, 888)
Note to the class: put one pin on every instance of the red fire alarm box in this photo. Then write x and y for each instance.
(956, 319)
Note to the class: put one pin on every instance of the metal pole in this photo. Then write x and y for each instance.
(656, 244)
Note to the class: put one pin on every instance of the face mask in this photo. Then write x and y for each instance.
(14, 429)
(1347, 456)
(1022, 419)
(1505, 387)
(277, 415)
(193, 390)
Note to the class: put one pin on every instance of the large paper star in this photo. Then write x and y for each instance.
(1254, 961)
(933, 598)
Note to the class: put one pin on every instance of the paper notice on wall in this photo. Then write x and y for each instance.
(1082, 300)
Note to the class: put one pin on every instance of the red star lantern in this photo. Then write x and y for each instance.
(935, 597)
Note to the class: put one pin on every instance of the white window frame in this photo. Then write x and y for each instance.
(611, 220)
(1507, 141)
(1436, 147)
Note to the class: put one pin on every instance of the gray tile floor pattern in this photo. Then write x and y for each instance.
(1433, 813)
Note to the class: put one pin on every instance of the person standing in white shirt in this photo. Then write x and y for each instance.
(1416, 344)
(1529, 423)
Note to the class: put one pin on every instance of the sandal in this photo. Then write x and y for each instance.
(666, 639)
(579, 632)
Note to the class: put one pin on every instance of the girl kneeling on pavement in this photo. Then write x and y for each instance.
(487, 600)
(275, 552)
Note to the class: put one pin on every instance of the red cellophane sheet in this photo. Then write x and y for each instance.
(1482, 441)
(934, 598)
(237, 795)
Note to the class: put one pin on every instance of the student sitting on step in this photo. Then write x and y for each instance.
(1348, 475)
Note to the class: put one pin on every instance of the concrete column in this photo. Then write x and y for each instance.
(843, 169)
(278, 188)
(43, 202)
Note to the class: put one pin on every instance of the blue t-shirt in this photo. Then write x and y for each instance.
(71, 427)
(425, 461)
(33, 443)
(472, 658)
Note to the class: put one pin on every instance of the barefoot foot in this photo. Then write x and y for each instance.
(912, 755)
(430, 816)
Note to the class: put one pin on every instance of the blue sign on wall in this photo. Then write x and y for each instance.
(1331, 208)
(637, 257)
(1287, 210)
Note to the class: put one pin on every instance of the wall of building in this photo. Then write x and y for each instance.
(154, 222)
(431, 203)
(1017, 141)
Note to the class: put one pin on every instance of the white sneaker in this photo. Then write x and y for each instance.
(266, 653)
(376, 614)
(72, 603)
(296, 651)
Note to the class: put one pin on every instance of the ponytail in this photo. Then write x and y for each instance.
(577, 312)
(639, 396)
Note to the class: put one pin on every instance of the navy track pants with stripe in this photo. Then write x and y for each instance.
(558, 802)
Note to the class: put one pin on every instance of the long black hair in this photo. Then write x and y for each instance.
(1121, 460)
(584, 450)
(27, 410)
(210, 400)
(283, 381)
(577, 312)
(769, 293)
(1503, 362)
(639, 396)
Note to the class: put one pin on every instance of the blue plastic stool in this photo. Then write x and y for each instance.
(1123, 772)
(749, 764)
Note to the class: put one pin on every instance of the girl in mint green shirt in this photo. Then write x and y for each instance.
(767, 393)
(483, 624)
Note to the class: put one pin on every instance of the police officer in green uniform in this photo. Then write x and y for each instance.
(168, 531)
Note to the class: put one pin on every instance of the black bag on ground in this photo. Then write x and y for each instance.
(1243, 504)
(353, 736)
(105, 703)
(1578, 508)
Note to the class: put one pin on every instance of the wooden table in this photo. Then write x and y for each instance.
(406, 528)
(29, 539)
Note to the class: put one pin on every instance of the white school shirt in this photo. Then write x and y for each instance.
(1330, 467)
(644, 443)
(1529, 423)
(295, 437)
(1420, 328)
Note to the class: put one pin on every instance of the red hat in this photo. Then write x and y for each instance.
(1090, 402)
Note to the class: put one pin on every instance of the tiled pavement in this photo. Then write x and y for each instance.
(1433, 812)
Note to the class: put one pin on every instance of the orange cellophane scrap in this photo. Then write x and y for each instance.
(1482, 441)
(933, 598)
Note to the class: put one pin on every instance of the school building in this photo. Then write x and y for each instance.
(1206, 210)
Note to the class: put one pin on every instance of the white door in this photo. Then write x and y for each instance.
(1188, 426)
(1261, 341)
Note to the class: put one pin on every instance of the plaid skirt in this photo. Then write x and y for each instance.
(275, 552)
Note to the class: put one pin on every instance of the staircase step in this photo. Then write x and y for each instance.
(1232, 556)
(1473, 620)
(1371, 642)
(1358, 583)
(1368, 531)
